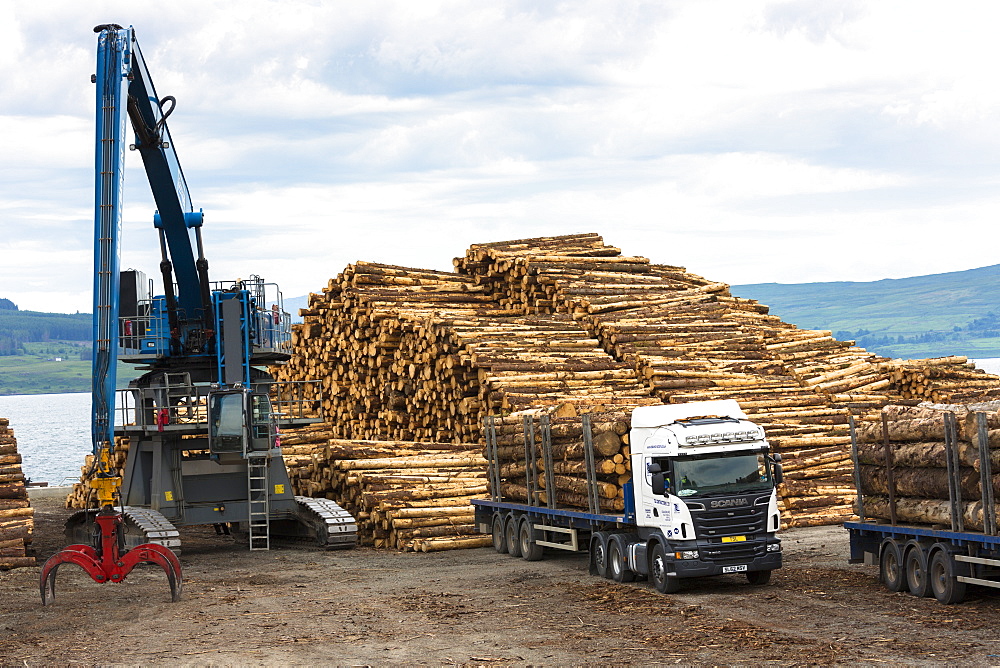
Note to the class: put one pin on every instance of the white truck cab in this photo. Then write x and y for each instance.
(705, 483)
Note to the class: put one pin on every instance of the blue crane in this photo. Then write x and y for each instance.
(202, 420)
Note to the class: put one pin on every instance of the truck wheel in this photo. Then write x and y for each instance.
(599, 554)
(617, 567)
(510, 532)
(759, 577)
(915, 570)
(891, 567)
(665, 584)
(499, 538)
(530, 550)
(941, 574)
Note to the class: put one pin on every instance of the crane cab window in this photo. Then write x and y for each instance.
(226, 422)
(263, 429)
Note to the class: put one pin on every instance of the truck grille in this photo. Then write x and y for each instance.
(712, 525)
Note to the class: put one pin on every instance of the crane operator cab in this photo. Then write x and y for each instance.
(241, 422)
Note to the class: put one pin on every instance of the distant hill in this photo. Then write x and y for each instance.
(955, 313)
(293, 304)
(19, 327)
(42, 353)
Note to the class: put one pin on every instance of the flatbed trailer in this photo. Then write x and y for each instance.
(929, 560)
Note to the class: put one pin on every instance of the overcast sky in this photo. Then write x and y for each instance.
(748, 141)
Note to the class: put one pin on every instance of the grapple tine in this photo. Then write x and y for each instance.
(83, 556)
(151, 553)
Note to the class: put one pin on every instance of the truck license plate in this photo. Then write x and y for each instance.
(733, 539)
(734, 569)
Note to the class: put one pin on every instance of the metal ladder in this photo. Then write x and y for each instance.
(178, 387)
(258, 504)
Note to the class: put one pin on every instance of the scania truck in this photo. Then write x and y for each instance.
(702, 501)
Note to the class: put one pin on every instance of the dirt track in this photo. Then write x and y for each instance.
(299, 605)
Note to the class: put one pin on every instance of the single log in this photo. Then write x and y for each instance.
(6, 563)
(458, 543)
(928, 483)
(924, 511)
(414, 522)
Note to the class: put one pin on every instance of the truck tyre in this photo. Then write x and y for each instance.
(617, 566)
(665, 584)
(510, 531)
(499, 537)
(599, 554)
(941, 575)
(891, 566)
(915, 571)
(530, 550)
(759, 577)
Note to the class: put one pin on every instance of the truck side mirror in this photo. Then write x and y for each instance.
(779, 475)
(659, 483)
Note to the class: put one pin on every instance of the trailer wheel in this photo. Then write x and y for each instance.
(599, 554)
(499, 538)
(891, 567)
(617, 566)
(941, 574)
(759, 577)
(530, 550)
(664, 583)
(915, 570)
(510, 531)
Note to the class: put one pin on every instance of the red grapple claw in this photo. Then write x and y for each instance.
(106, 562)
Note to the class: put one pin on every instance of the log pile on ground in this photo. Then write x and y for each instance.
(945, 380)
(404, 495)
(916, 467)
(16, 514)
(413, 354)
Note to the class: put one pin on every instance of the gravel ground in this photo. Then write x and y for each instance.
(299, 605)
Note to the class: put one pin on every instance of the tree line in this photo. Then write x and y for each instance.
(20, 327)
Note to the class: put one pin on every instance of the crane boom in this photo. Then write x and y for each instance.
(112, 90)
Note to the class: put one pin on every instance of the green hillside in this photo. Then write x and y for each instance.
(47, 353)
(20, 327)
(956, 313)
(54, 367)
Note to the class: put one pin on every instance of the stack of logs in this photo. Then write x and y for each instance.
(413, 354)
(943, 380)
(404, 495)
(919, 468)
(612, 464)
(417, 355)
(16, 514)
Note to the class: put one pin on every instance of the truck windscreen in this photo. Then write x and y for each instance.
(733, 474)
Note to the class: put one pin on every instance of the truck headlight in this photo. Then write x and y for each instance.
(774, 547)
(686, 554)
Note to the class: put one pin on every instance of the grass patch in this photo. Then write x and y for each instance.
(53, 367)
